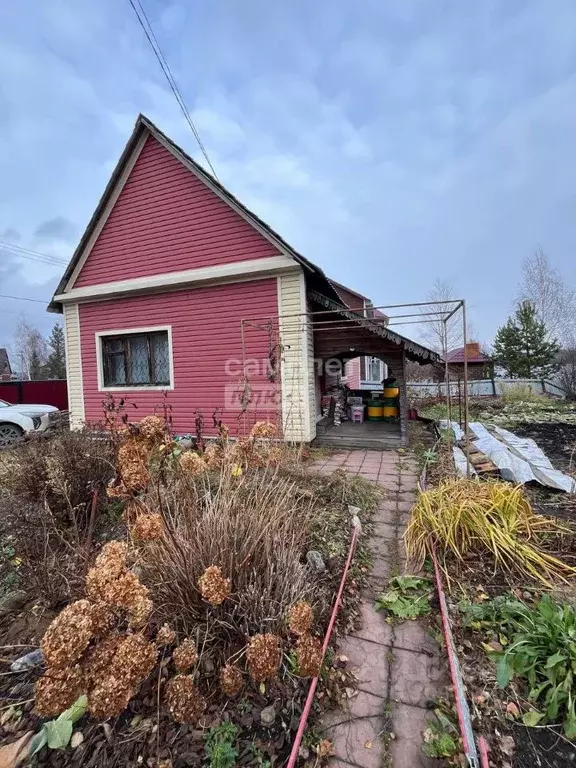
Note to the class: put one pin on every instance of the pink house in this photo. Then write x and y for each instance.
(177, 293)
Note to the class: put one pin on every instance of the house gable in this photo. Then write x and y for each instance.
(165, 219)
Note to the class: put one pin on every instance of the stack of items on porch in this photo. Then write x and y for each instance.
(338, 395)
(385, 407)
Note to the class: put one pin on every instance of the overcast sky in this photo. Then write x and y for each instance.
(390, 141)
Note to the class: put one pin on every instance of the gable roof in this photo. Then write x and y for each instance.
(144, 125)
(457, 356)
(4, 361)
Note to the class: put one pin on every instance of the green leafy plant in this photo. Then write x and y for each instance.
(541, 651)
(441, 736)
(259, 757)
(430, 457)
(407, 597)
(220, 746)
(56, 734)
(543, 654)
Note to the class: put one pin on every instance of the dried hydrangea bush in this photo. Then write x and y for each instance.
(264, 656)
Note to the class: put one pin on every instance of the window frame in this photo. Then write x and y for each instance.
(100, 337)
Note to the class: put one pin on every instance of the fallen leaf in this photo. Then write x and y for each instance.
(368, 745)
(77, 739)
(512, 710)
(507, 745)
(13, 755)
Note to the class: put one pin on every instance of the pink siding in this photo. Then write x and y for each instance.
(205, 334)
(167, 220)
(353, 373)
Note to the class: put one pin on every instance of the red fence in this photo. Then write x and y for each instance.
(49, 392)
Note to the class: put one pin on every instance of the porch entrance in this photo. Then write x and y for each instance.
(370, 435)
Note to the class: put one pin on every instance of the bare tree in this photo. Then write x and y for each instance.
(554, 301)
(440, 336)
(30, 349)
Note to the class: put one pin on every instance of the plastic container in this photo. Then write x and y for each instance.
(375, 410)
(391, 392)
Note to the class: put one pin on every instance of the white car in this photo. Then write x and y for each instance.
(15, 420)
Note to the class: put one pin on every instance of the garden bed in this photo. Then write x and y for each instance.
(47, 547)
(497, 712)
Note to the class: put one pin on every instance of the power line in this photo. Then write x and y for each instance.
(155, 45)
(22, 298)
(31, 255)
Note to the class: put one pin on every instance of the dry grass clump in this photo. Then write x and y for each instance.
(264, 655)
(300, 618)
(309, 656)
(231, 680)
(495, 518)
(215, 587)
(185, 702)
(185, 656)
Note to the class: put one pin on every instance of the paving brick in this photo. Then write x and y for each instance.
(356, 741)
(405, 750)
(374, 626)
(385, 530)
(368, 662)
(416, 677)
(412, 636)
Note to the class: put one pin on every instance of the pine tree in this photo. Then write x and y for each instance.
(55, 367)
(521, 347)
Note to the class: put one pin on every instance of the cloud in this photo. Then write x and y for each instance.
(58, 228)
(409, 141)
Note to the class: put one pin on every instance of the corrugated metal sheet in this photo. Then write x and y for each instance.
(45, 392)
(206, 334)
(166, 220)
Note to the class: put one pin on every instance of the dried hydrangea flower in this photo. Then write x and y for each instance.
(103, 618)
(134, 659)
(231, 680)
(166, 636)
(185, 702)
(133, 464)
(213, 456)
(98, 660)
(109, 697)
(116, 489)
(147, 527)
(139, 613)
(58, 689)
(264, 656)
(309, 656)
(122, 591)
(185, 656)
(300, 618)
(152, 428)
(215, 588)
(263, 429)
(274, 455)
(68, 635)
(112, 558)
(192, 464)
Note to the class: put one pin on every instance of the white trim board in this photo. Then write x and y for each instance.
(126, 332)
(250, 269)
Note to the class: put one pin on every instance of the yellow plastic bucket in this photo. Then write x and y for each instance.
(389, 411)
(391, 392)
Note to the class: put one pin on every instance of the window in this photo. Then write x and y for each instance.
(139, 359)
(374, 369)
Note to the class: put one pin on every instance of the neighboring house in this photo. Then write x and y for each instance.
(178, 295)
(480, 366)
(5, 369)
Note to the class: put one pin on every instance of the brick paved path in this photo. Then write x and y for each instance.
(398, 666)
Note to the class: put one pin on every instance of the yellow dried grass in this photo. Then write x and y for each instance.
(463, 516)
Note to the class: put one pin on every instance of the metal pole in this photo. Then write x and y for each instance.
(447, 375)
(466, 438)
